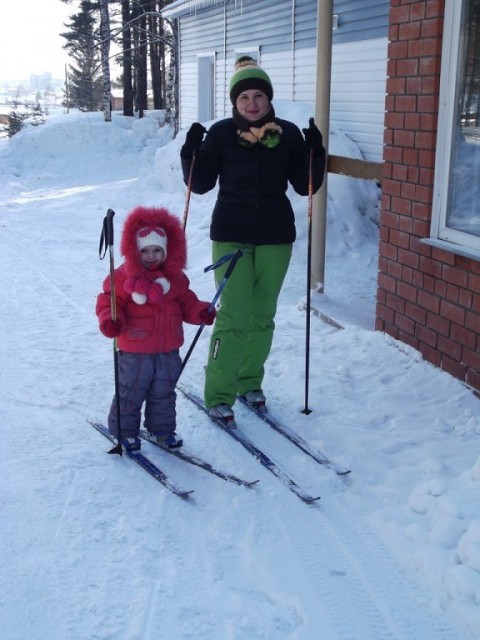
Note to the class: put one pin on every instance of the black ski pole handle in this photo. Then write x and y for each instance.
(106, 239)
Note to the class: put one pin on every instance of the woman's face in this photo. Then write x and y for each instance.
(252, 104)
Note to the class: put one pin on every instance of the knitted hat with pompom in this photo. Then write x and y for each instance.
(248, 75)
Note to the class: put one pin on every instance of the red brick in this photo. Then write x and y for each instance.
(463, 336)
(416, 313)
(432, 46)
(471, 359)
(453, 367)
(452, 312)
(387, 283)
(405, 224)
(409, 31)
(452, 293)
(408, 67)
(397, 50)
(402, 206)
(454, 275)
(429, 284)
(410, 156)
(450, 348)
(386, 250)
(412, 121)
(414, 85)
(407, 275)
(394, 120)
(465, 298)
(392, 154)
(399, 172)
(395, 303)
(417, 11)
(405, 324)
(435, 8)
(426, 336)
(407, 191)
(432, 267)
(426, 177)
(408, 258)
(407, 292)
(431, 85)
(395, 86)
(413, 173)
(472, 378)
(387, 170)
(421, 229)
(426, 159)
(423, 194)
(438, 324)
(389, 219)
(474, 284)
(431, 355)
(431, 27)
(406, 104)
(425, 139)
(427, 104)
(429, 302)
(399, 15)
(428, 122)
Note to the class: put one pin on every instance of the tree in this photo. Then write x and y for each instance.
(105, 55)
(85, 83)
(15, 122)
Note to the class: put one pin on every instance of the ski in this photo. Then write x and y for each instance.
(146, 464)
(297, 440)
(198, 462)
(257, 453)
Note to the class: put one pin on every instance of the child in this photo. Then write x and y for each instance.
(153, 298)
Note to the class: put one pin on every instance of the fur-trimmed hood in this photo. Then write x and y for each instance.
(176, 245)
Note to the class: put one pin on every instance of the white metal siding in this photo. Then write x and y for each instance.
(359, 66)
(357, 103)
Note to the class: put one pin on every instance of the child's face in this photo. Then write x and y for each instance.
(152, 256)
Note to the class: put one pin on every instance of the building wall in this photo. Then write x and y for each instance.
(427, 297)
(288, 53)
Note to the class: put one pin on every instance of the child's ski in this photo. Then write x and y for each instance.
(295, 439)
(146, 464)
(240, 437)
(195, 460)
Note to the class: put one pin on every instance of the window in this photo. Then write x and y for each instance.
(456, 204)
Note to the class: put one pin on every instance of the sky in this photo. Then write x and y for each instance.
(92, 548)
(39, 47)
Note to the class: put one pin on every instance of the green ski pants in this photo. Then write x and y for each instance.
(243, 331)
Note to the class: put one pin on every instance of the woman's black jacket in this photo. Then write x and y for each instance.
(252, 206)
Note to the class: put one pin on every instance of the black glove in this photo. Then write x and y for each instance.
(313, 138)
(193, 139)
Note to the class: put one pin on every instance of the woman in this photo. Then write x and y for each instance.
(254, 156)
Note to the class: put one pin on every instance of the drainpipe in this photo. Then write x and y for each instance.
(322, 120)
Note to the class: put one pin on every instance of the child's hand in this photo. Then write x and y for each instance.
(207, 317)
(111, 328)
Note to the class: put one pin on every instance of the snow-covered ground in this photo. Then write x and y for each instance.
(93, 548)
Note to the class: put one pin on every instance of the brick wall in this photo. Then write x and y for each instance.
(427, 297)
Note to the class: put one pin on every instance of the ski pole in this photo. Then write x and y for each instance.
(306, 410)
(233, 261)
(189, 192)
(106, 241)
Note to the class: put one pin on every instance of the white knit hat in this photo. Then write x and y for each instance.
(148, 236)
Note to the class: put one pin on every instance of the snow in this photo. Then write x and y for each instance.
(93, 548)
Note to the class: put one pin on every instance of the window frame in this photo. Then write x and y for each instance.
(441, 235)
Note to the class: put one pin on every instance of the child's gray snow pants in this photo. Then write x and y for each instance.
(148, 378)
